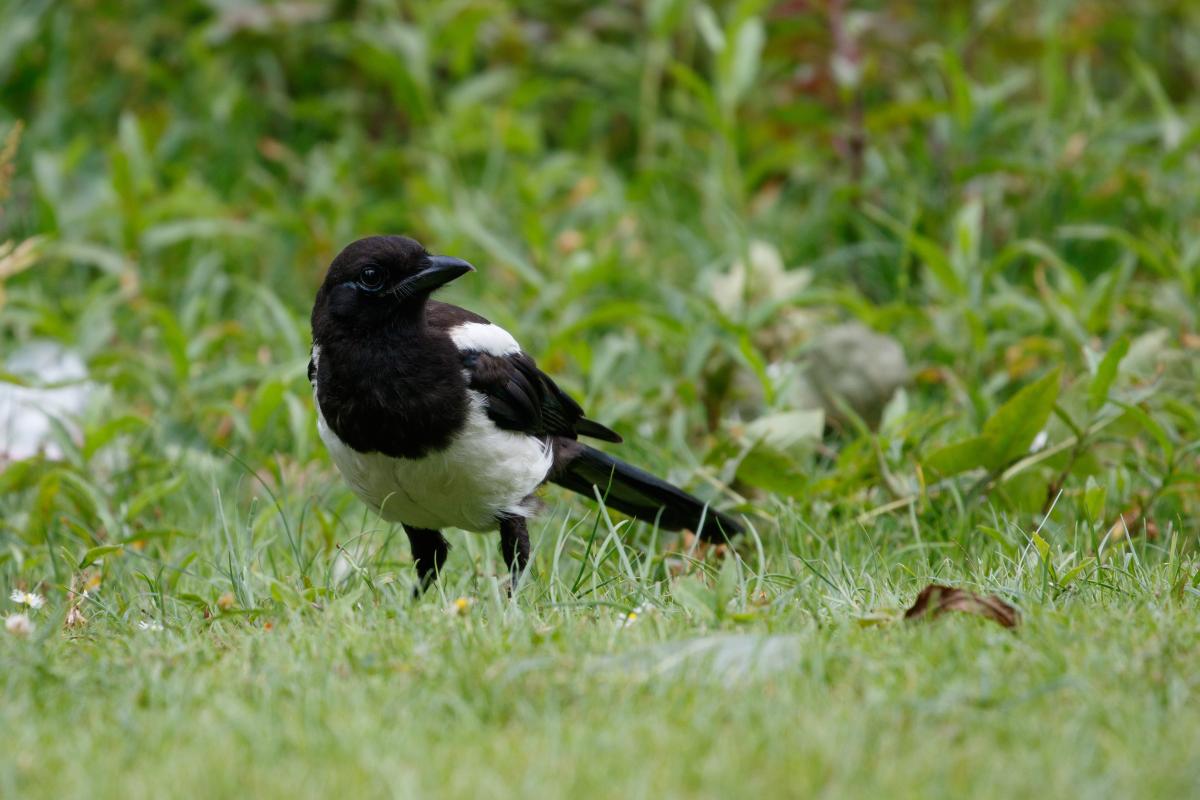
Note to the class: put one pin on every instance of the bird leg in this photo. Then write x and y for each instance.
(514, 546)
(429, 550)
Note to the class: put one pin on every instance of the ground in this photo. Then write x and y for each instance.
(817, 690)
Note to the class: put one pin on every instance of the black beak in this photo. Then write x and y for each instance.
(441, 270)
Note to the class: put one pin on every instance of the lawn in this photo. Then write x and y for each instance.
(729, 230)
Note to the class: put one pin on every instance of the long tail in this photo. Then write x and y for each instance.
(636, 492)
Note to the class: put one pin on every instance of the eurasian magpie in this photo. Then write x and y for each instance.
(437, 418)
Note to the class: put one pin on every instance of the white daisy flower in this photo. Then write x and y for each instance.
(31, 599)
(18, 625)
(632, 616)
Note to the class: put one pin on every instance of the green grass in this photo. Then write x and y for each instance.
(812, 692)
(1009, 192)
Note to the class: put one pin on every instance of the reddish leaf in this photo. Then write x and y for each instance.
(935, 600)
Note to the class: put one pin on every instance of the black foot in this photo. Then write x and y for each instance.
(429, 549)
(514, 547)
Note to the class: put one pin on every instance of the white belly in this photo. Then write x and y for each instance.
(485, 472)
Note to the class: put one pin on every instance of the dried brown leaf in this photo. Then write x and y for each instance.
(686, 552)
(936, 599)
(1131, 522)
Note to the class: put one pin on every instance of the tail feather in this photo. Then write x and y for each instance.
(637, 493)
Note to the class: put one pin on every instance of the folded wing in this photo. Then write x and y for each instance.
(523, 398)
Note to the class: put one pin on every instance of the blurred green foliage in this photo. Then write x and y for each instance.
(1006, 188)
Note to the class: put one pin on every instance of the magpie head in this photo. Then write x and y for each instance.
(380, 280)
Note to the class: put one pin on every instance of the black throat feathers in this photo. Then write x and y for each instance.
(401, 392)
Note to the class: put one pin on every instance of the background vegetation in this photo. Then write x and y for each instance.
(1006, 188)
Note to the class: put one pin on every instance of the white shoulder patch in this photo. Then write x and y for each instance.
(484, 337)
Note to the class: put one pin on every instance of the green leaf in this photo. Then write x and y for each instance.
(1152, 427)
(1074, 572)
(727, 583)
(267, 400)
(995, 535)
(93, 255)
(152, 494)
(757, 363)
(960, 456)
(968, 224)
(1172, 127)
(1099, 233)
(926, 249)
(764, 467)
(285, 595)
(194, 600)
(97, 553)
(1043, 547)
(789, 431)
(19, 476)
(743, 61)
(664, 16)
(710, 28)
(1015, 424)
(961, 102)
(174, 340)
(1106, 373)
(694, 596)
(101, 435)
(45, 502)
(88, 498)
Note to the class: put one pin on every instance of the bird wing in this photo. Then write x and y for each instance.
(523, 398)
(520, 397)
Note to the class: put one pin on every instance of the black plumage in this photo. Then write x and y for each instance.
(523, 398)
(436, 417)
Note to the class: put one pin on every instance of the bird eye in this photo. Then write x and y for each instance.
(371, 278)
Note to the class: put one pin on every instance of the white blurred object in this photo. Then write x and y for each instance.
(764, 280)
(60, 392)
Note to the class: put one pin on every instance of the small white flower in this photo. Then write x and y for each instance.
(150, 625)
(18, 625)
(632, 616)
(31, 599)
